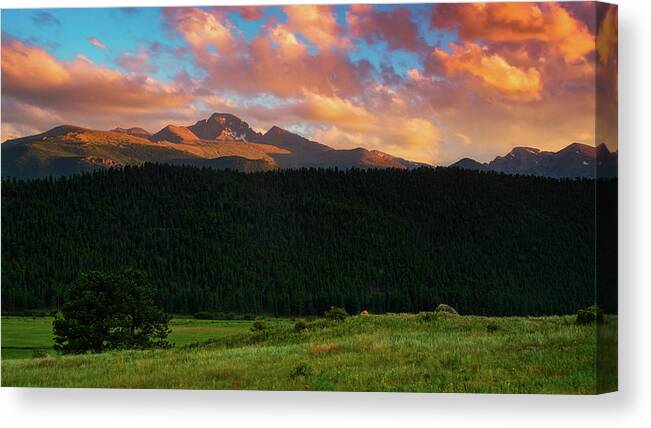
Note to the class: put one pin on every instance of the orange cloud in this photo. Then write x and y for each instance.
(548, 23)
(275, 62)
(414, 74)
(607, 35)
(492, 70)
(203, 30)
(79, 90)
(607, 76)
(381, 119)
(317, 24)
(286, 43)
(334, 110)
(522, 74)
(483, 126)
(416, 139)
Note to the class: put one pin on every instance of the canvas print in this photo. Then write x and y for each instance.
(362, 197)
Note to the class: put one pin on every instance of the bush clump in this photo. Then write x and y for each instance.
(426, 317)
(258, 326)
(589, 315)
(301, 370)
(203, 316)
(336, 314)
(492, 328)
(445, 309)
(300, 326)
(39, 353)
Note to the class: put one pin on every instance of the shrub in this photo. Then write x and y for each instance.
(39, 353)
(426, 316)
(589, 315)
(258, 326)
(203, 316)
(301, 370)
(300, 326)
(492, 328)
(336, 314)
(443, 308)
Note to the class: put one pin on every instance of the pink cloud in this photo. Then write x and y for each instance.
(95, 42)
(138, 63)
(396, 27)
(275, 62)
(317, 24)
(522, 74)
(80, 91)
(250, 13)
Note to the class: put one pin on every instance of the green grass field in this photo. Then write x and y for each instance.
(22, 335)
(375, 353)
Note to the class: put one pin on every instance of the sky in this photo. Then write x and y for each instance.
(431, 83)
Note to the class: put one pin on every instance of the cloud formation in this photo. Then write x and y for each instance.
(45, 18)
(79, 91)
(95, 42)
(492, 70)
(137, 63)
(395, 27)
(547, 23)
(317, 24)
(429, 84)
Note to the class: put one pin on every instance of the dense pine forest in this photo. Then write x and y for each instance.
(295, 242)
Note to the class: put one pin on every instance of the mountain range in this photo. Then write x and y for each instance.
(225, 141)
(221, 141)
(574, 161)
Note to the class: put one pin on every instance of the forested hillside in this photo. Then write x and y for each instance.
(295, 242)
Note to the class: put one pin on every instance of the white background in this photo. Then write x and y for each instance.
(630, 407)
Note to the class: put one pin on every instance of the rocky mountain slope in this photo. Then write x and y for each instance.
(221, 141)
(575, 160)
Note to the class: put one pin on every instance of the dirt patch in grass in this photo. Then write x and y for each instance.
(324, 348)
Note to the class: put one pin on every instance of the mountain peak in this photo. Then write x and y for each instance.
(521, 150)
(224, 127)
(574, 160)
(62, 130)
(221, 135)
(222, 117)
(295, 143)
(135, 131)
(467, 163)
(174, 134)
(276, 130)
(579, 148)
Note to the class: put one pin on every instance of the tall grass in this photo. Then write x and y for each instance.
(374, 353)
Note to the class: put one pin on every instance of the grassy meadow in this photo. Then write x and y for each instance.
(403, 352)
(21, 336)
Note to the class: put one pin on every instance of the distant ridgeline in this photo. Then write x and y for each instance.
(295, 242)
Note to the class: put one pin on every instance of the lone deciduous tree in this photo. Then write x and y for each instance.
(106, 311)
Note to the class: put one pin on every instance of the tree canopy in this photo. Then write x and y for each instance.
(108, 311)
(296, 242)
